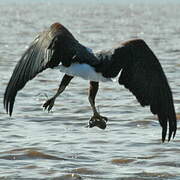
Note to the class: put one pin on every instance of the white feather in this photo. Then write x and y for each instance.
(84, 71)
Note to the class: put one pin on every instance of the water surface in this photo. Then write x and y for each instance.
(57, 145)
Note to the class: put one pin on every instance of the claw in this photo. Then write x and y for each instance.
(98, 121)
(49, 104)
(104, 118)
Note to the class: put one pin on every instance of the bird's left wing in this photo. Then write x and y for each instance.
(47, 50)
(143, 75)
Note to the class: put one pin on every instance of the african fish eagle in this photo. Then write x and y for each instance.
(141, 73)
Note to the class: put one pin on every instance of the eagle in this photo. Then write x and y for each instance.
(133, 64)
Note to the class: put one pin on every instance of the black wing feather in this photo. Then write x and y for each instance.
(50, 48)
(143, 75)
(25, 70)
(42, 53)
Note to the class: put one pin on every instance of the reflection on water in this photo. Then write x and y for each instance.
(40, 145)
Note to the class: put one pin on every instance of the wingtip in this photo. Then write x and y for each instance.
(164, 132)
(163, 140)
(10, 114)
(5, 106)
(170, 136)
(8, 107)
(174, 134)
(7, 111)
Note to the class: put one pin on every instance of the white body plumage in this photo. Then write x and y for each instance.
(84, 71)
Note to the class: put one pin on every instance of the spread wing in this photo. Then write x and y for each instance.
(143, 75)
(53, 46)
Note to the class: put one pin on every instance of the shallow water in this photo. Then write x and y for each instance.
(57, 145)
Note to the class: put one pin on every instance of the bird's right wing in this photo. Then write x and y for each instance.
(47, 50)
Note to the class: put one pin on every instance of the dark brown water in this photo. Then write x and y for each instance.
(35, 144)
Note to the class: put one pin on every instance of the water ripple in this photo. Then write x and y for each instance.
(36, 144)
(25, 154)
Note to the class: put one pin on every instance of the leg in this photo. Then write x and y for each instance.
(93, 89)
(96, 119)
(64, 82)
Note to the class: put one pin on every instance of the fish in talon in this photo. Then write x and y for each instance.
(97, 122)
